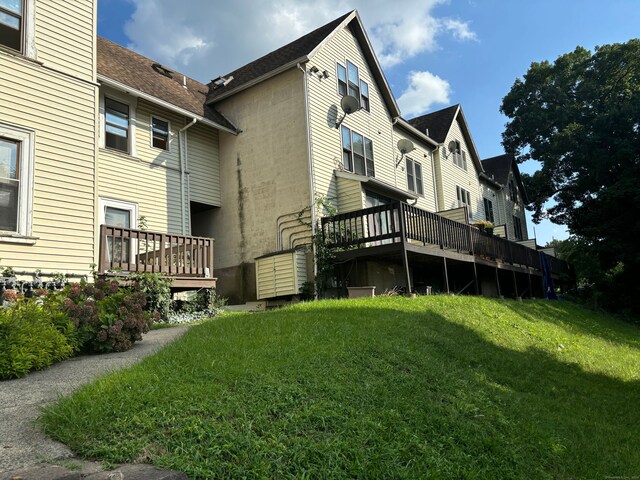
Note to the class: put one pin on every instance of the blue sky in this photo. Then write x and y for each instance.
(460, 51)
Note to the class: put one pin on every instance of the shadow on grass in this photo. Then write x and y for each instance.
(359, 391)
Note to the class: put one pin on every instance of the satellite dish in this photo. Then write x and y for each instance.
(452, 146)
(405, 146)
(349, 105)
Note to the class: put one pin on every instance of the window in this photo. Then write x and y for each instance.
(342, 80)
(364, 95)
(12, 23)
(357, 153)
(116, 125)
(517, 228)
(159, 133)
(464, 198)
(513, 191)
(353, 80)
(16, 167)
(488, 210)
(116, 213)
(349, 83)
(414, 176)
(459, 157)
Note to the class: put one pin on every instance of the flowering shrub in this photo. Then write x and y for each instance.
(109, 318)
(32, 337)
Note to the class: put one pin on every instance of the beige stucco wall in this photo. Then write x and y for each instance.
(56, 100)
(266, 175)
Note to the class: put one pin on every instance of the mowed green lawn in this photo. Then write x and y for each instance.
(432, 387)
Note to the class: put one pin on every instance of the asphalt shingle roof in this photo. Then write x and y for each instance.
(278, 58)
(141, 73)
(438, 123)
(498, 167)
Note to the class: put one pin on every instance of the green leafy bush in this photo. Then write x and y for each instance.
(109, 318)
(157, 288)
(32, 337)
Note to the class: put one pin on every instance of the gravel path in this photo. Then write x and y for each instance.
(21, 442)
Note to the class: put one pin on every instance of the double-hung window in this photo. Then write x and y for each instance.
(464, 197)
(159, 133)
(459, 156)
(517, 228)
(12, 24)
(488, 210)
(414, 176)
(513, 191)
(357, 153)
(349, 83)
(116, 125)
(16, 173)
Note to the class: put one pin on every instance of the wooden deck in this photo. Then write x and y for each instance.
(187, 260)
(404, 231)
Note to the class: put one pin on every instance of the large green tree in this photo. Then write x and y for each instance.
(580, 118)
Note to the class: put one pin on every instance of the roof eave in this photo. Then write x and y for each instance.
(163, 103)
(257, 80)
(488, 179)
(474, 150)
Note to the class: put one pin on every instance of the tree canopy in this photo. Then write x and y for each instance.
(580, 118)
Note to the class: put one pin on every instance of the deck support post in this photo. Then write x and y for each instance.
(475, 278)
(446, 274)
(403, 240)
(530, 287)
(498, 282)
(515, 283)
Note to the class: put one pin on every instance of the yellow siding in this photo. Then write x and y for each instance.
(422, 155)
(61, 112)
(155, 188)
(280, 275)
(453, 175)
(65, 36)
(324, 103)
(350, 195)
(204, 165)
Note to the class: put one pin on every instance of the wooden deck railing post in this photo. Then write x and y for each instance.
(403, 239)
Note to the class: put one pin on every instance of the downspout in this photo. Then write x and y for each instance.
(310, 164)
(433, 179)
(182, 145)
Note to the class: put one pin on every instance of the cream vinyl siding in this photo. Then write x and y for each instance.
(65, 36)
(281, 275)
(324, 105)
(421, 155)
(60, 110)
(203, 164)
(494, 196)
(350, 195)
(453, 176)
(511, 209)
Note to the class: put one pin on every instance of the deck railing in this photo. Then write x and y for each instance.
(131, 250)
(386, 224)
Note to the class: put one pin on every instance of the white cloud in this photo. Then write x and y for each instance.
(206, 39)
(424, 90)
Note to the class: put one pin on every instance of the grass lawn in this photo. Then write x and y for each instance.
(433, 387)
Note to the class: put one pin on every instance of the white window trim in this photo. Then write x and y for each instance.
(415, 184)
(345, 65)
(468, 192)
(120, 204)
(131, 102)
(29, 18)
(26, 139)
(169, 142)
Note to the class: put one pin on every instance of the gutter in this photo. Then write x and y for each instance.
(169, 106)
(182, 146)
(251, 83)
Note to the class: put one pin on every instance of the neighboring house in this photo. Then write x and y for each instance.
(48, 98)
(108, 157)
(504, 192)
